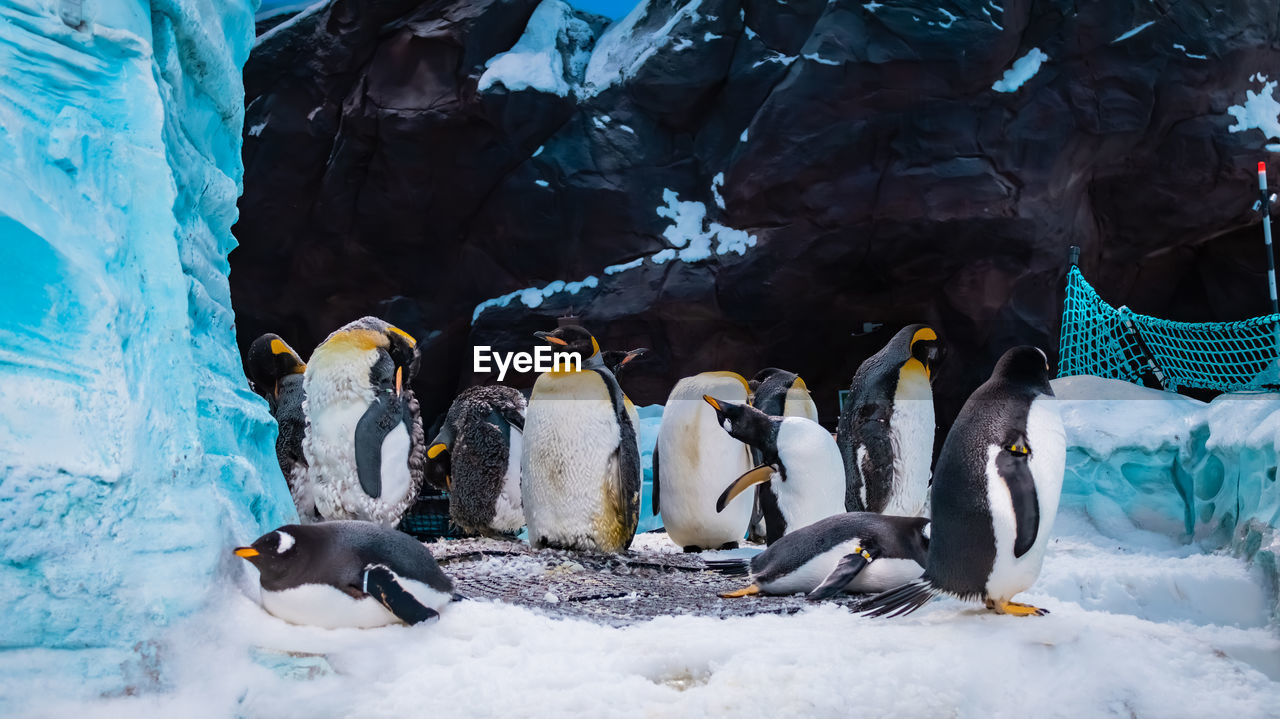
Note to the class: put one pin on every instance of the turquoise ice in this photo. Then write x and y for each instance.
(133, 455)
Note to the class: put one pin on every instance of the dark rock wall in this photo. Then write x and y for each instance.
(862, 145)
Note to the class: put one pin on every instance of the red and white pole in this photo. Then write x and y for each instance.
(1266, 233)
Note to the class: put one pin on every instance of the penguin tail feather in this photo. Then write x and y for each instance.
(730, 567)
(457, 597)
(904, 599)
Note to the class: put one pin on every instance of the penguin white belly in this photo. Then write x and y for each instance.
(1047, 440)
(568, 470)
(884, 574)
(508, 513)
(330, 450)
(323, 605)
(911, 434)
(395, 466)
(697, 460)
(814, 488)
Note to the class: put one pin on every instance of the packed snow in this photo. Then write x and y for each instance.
(1142, 629)
(692, 238)
(623, 47)
(1260, 110)
(1023, 69)
(551, 56)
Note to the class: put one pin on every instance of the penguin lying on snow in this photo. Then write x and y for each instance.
(995, 493)
(852, 552)
(693, 459)
(364, 437)
(886, 427)
(481, 442)
(276, 373)
(347, 574)
(580, 467)
(799, 453)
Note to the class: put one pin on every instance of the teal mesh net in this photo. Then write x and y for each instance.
(1115, 342)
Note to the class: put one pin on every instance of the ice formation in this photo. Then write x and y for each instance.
(1143, 459)
(134, 453)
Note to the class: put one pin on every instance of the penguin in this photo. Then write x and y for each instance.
(799, 452)
(780, 393)
(777, 392)
(694, 459)
(850, 552)
(886, 426)
(347, 574)
(580, 467)
(364, 440)
(618, 360)
(995, 493)
(276, 373)
(481, 442)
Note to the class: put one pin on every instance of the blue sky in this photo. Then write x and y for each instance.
(609, 8)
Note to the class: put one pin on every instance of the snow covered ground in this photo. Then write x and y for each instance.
(1148, 628)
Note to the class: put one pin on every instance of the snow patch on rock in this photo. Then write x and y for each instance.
(551, 56)
(1260, 111)
(624, 48)
(1023, 69)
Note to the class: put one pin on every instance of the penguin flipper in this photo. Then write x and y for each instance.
(1014, 467)
(846, 569)
(381, 417)
(755, 475)
(513, 418)
(381, 584)
(655, 481)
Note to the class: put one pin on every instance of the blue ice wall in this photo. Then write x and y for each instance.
(132, 454)
(1199, 472)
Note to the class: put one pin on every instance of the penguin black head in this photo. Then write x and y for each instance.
(274, 552)
(748, 425)
(270, 360)
(1026, 366)
(403, 349)
(617, 360)
(572, 338)
(438, 455)
(925, 347)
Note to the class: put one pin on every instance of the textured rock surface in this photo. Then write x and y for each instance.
(134, 453)
(885, 162)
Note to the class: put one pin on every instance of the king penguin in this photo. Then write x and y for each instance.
(694, 459)
(364, 439)
(995, 493)
(580, 468)
(780, 393)
(851, 552)
(347, 574)
(886, 426)
(481, 442)
(276, 373)
(809, 481)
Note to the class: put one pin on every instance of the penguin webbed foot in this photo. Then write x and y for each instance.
(1017, 609)
(744, 592)
(380, 583)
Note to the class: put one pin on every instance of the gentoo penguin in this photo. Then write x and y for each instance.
(798, 453)
(364, 438)
(851, 552)
(481, 442)
(276, 372)
(886, 426)
(347, 574)
(580, 467)
(694, 459)
(995, 493)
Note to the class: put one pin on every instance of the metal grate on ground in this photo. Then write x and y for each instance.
(614, 590)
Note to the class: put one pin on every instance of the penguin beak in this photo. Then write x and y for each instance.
(632, 355)
(399, 379)
(712, 401)
(435, 450)
(550, 338)
(448, 483)
(246, 552)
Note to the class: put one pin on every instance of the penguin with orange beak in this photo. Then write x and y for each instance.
(275, 372)
(364, 442)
